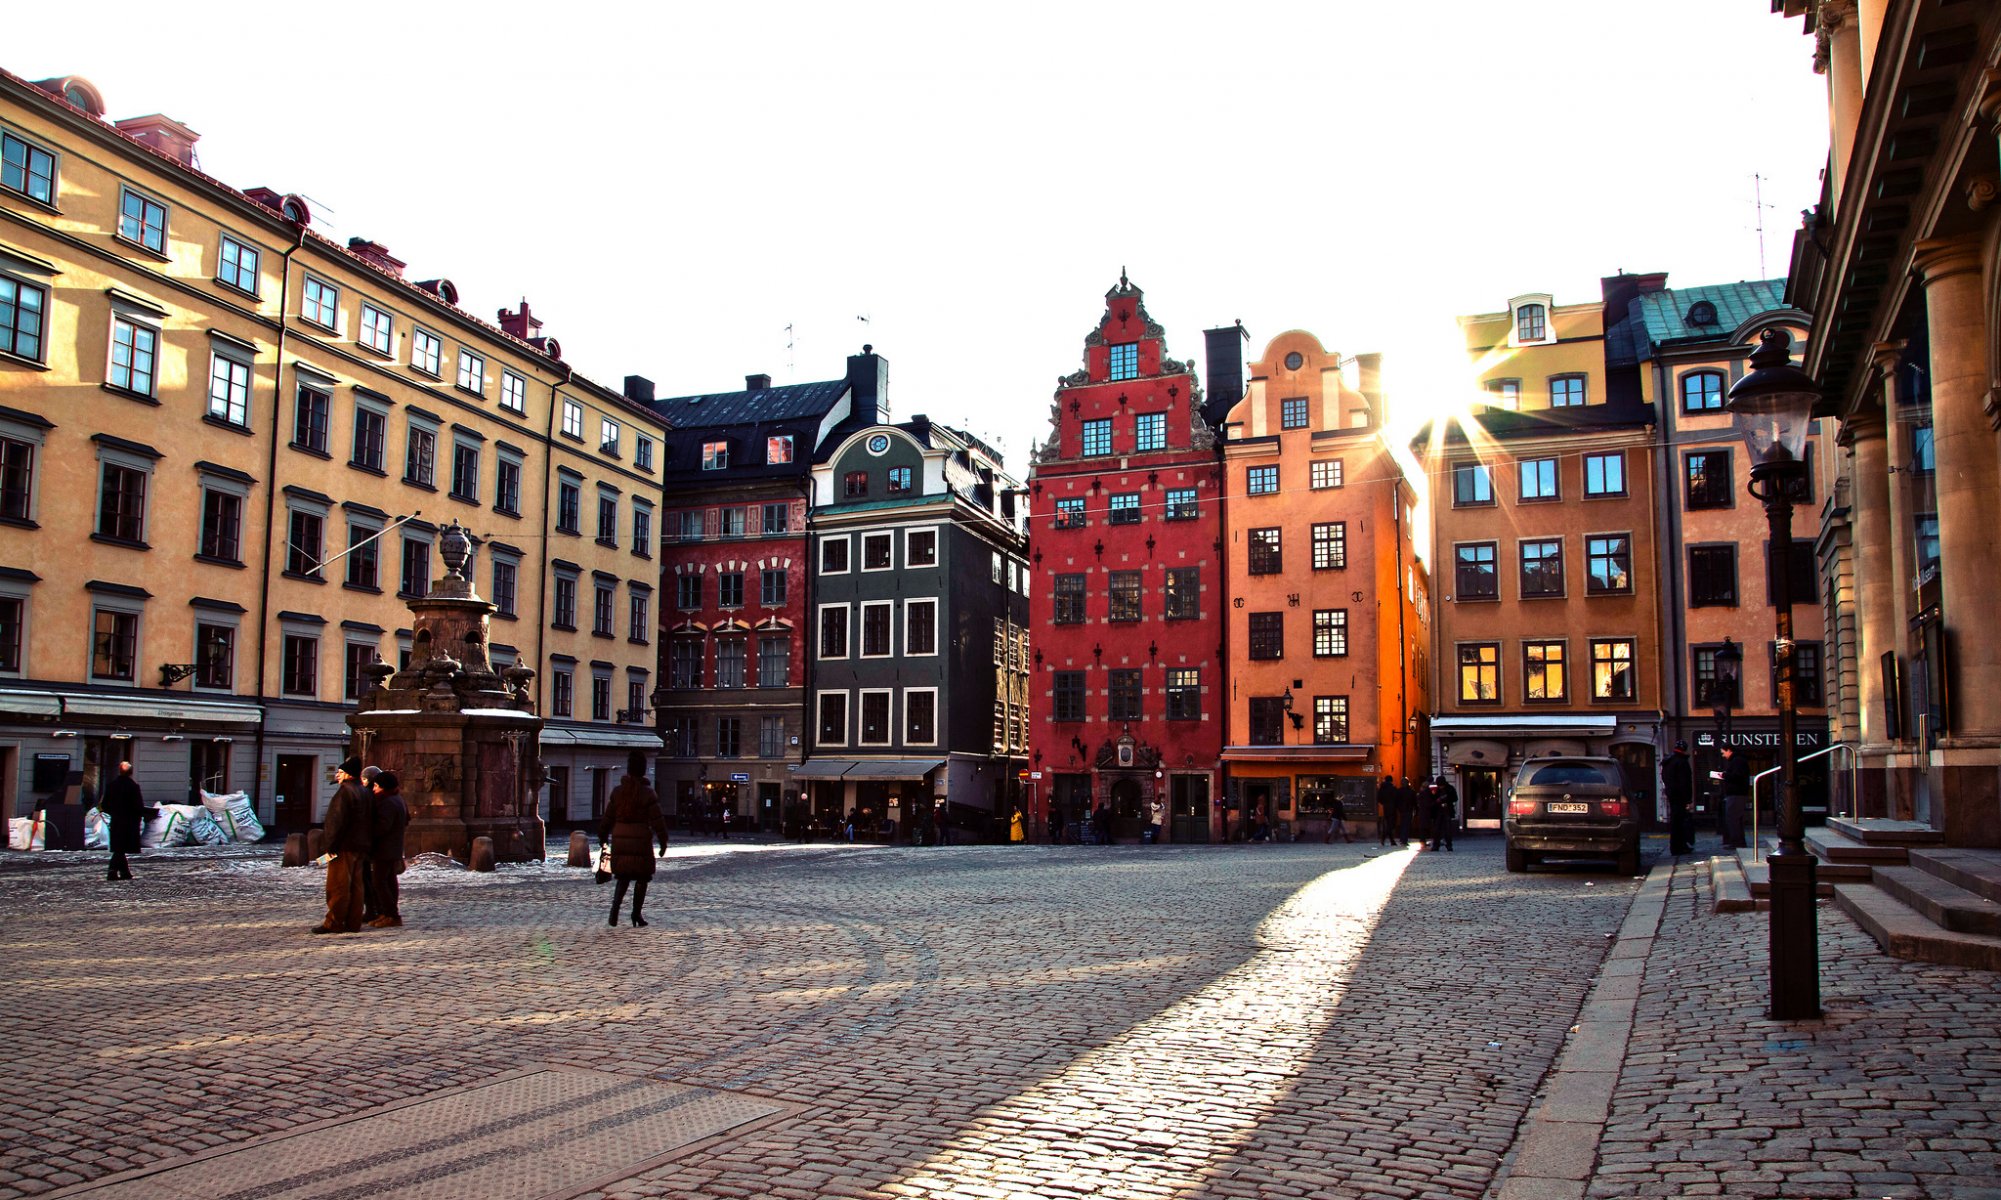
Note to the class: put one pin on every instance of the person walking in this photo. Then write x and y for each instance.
(368, 910)
(1678, 782)
(1444, 811)
(1736, 798)
(1406, 811)
(631, 822)
(1386, 810)
(347, 830)
(390, 817)
(122, 805)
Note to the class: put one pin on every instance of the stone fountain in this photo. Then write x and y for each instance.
(463, 738)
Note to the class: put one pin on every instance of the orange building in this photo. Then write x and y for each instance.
(1328, 616)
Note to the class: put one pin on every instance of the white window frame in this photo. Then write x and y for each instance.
(820, 632)
(220, 353)
(828, 540)
(889, 726)
(133, 606)
(819, 712)
(1515, 306)
(139, 320)
(256, 265)
(860, 647)
(520, 466)
(642, 452)
(573, 418)
(513, 391)
(903, 715)
(775, 440)
(427, 352)
(166, 221)
(716, 455)
(378, 330)
(910, 606)
(889, 557)
(472, 372)
(55, 170)
(608, 435)
(461, 442)
(311, 301)
(42, 288)
(642, 538)
(908, 534)
(411, 427)
(222, 620)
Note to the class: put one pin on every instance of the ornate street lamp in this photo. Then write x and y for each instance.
(1772, 407)
(1723, 688)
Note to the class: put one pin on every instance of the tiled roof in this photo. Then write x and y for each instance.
(1665, 313)
(715, 409)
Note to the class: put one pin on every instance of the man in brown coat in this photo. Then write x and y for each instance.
(347, 839)
(391, 816)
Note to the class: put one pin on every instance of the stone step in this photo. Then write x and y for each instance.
(1828, 845)
(1758, 877)
(1904, 933)
(1976, 871)
(1940, 902)
(1878, 831)
(1733, 894)
(1824, 871)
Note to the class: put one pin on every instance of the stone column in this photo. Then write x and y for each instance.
(1871, 535)
(1840, 56)
(1869, 23)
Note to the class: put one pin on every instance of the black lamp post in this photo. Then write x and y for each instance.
(1772, 407)
(1723, 688)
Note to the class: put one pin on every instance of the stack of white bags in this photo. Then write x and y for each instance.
(217, 820)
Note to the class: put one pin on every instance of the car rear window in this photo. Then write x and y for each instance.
(1558, 774)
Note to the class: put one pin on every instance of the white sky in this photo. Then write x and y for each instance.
(672, 185)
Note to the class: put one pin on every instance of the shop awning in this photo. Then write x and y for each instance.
(1296, 755)
(1524, 725)
(158, 708)
(867, 768)
(822, 768)
(30, 704)
(624, 739)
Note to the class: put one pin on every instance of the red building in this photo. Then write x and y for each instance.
(1127, 701)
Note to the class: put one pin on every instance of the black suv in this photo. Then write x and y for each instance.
(1572, 807)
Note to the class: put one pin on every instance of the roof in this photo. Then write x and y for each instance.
(1504, 424)
(712, 410)
(1664, 314)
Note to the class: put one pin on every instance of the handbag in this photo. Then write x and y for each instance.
(603, 874)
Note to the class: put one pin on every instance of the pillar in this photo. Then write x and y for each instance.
(1869, 26)
(1899, 784)
(1843, 64)
(1870, 535)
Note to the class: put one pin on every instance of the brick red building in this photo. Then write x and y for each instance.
(1126, 534)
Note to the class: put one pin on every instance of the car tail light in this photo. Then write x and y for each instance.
(1521, 808)
(1612, 807)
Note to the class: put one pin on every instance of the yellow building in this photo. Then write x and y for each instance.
(229, 444)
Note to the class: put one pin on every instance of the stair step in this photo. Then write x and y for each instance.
(1879, 831)
(1976, 871)
(1831, 846)
(1758, 877)
(1824, 871)
(1733, 894)
(1940, 902)
(1902, 932)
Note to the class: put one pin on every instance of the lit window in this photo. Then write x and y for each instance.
(1123, 592)
(1125, 361)
(1330, 720)
(1612, 669)
(1543, 672)
(1330, 546)
(1480, 673)
(1330, 632)
(143, 221)
(1183, 594)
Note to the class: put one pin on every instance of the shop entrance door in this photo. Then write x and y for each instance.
(295, 790)
(1481, 798)
(768, 816)
(1189, 803)
(1126, 820)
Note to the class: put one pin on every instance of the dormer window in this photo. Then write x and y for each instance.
(715, 456)
(1530, 321)
(1702, 312)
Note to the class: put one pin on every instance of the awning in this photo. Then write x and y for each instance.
(867, 768)
(625, 739)
(158, 708)
(1524, 725)
(30, 704)
(822, 768)
(1344, 752)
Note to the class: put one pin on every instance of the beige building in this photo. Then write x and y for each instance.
(229, 445)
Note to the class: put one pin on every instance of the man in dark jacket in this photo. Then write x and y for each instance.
(390, 817)
(1444, 801)
(1406, 810)
(347, 828)
(1678, 783)
(1386, 811)
(1736, 798)
(121, 806)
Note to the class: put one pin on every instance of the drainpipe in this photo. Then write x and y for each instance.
(270, 515)
(1669, 553)
(548, 527)
(1403, 647)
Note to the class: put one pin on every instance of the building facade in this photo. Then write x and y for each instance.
(229, 446)
(1127, 693)
(1328, 611)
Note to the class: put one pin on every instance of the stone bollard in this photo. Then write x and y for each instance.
(316, 843)
(580, 849)
(295, 850)
(482, 854)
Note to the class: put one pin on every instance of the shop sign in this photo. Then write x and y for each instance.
(1805, 739)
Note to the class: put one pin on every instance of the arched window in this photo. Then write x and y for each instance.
(1531, 323)
(1702, 391)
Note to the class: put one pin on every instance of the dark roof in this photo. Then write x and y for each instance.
(712, 410)
(1664, 314)
(1503, 424)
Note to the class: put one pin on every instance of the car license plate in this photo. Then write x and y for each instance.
(1558, 806)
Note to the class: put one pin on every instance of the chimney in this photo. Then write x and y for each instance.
(756, 383)
(639, 389)
(377, 254)
(1225, 381)
(520, 323)
(264, 196)
(164, 134)
(868, 376)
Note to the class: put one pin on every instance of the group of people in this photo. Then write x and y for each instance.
(1404, 812)
(1678, 783)
(364, 839)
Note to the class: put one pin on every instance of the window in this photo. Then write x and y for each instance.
(920, 627)
(684, 663)
(1566, 391)
(875, 718)
(639, 613)
(1182, 505)
(1330, 546)
(608, 436)
(687, 591)
(834, 631)
(1070, 514)
(1471, 485)
(1125, 509)
(834, 556)
(642, 530)
(715, 456)
(506, 585)
(1802, 573)
(27, 168)
(465, 470)
(899, 480)
(1267, 635)
(635, 698)
(1123, 595)
(304, 544)
(729, 589)
(1124, 689)
(236, 265)
(833, 719)
(13, 626)
(377, 330)
(1125, 361)
(1330, 720)
(363, 560)
(776, 518)
(731, 522)
(221, 525)
(1184, 693)
(1183, 594)
(420, 456)
(1292, 413)
(228, 389)
(771, 737)
(1702, 391)
(371, 434)
(1530, 323)
(681, 737)
(1069, 696)
(854, 484)
(1544, 677)
(1612, 669)
(302, 665)
(417, 570)
(356, 660)
(1267, 555)
(774, 661)
(1539, 479)
(1712, 575)
(1261, 481)
(1267, 720)
(1149, 432)
(1507, 393)
(564, 614)
(1097, 438)
(1605, 474)
(1807, 688)
(472, 371)
(1327, 473)
(573, 421)
(688, 522)
(115, 646)
(142, 221)
(778, 448)
(1542, 567)
(730, 652)
(215, 656)
(134, 356)
(602, 604)
(121, 505)
(1608, 563)
(608, 518)
(21, 308)
(1480, 673)
(321, 303)
(1924, 449)
(562, 688)
(1925, 533)
(17, 478)
(1709, 479)
(1330, 632)
(507, 485)
(920, 548)
(878, 551)
(1475, 576)
(601, 698)
(772, 590)
(514, 398)
(920, 716)
(427, 352)
(1069, 595)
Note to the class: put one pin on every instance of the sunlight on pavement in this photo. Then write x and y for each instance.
(1156, 1110)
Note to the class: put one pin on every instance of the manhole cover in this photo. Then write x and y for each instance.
(547, 1133)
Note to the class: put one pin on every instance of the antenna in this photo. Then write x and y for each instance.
(791, 368)
(1758, 207)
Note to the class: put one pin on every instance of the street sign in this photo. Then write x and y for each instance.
(1035, 774)
(739, 776)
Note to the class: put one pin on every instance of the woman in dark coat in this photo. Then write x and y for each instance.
(632, 821)
(122, 802)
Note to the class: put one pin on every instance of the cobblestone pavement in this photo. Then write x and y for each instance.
(1897, 1093)
(972, 1022)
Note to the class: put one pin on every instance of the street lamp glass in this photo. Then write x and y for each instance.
(1772, 406)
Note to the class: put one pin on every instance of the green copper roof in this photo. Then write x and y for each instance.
(1666, 313)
